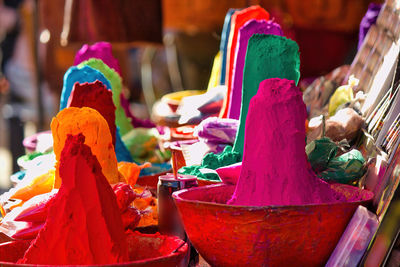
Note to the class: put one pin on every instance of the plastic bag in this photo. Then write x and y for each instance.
(345, 169)
(217, 130)
(320, 152)
(342, 95)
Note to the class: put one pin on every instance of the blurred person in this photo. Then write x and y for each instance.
(16, 65)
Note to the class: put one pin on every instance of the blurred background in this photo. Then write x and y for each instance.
(162, 46)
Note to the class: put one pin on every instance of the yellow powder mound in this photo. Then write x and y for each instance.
(94, 127)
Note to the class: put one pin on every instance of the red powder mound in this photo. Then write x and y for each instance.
(96, 96)
(84, 223)
(275, 170)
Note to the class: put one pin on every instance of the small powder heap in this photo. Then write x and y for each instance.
(268, 56)
(84, 223)
(275, 170)
(239, 18)
(98, 137)
(95, 95)
(246, 31)
(212, 161)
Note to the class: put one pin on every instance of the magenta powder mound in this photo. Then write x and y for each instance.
(275, 170)
(246, 31)
(230, 174)
(100, 50)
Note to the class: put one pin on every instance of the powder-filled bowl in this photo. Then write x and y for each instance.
(227, 235)
(145, 250)
(150, 180)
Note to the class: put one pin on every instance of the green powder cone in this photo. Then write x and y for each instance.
(268, 56)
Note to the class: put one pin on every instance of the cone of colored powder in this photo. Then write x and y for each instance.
(246, 31)
(268, 56)
(121, 120)
(88, 121)
(239, 18)
(226, 29)
(103, 51)
(100, 50)
(74, 75)
(84, 223)
(275, 170)
(95, 95)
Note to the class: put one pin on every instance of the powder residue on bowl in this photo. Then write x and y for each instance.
(84, 223)
(147, 246)
(268, 56)
(275, 170)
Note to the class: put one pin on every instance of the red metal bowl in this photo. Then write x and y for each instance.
(145, 250)
(150, 180)
(227, 235)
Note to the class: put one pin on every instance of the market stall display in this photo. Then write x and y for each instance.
(265, 170)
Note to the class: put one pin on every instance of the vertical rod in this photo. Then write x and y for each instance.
(38, 69)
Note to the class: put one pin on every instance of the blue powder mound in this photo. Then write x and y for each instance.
(85, 74)
(224, 42)
(121, 151)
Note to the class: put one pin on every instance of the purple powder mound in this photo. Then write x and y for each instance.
(275, 170)
(246, 31)
(100, 50)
